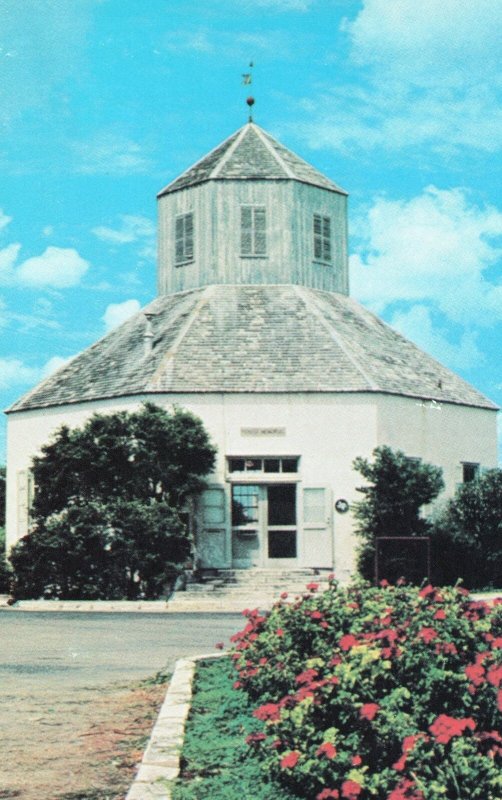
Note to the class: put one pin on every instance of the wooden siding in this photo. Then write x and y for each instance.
(290, 207)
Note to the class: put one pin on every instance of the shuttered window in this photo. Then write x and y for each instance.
(184, 238)
(253, 231)
(322, 238)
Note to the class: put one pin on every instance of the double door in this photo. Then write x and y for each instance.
(264, 525)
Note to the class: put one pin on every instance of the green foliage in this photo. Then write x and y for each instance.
(148, 454)
(124, 549)
(469, 533)
(216, 760)
(108, 506)
(5, 571)
(397, 489)
(384, 693)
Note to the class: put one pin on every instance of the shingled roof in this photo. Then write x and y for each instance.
(228, 338)
(251, 154)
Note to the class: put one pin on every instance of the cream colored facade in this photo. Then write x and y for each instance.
(324, 432)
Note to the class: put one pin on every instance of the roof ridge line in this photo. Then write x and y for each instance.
(339, 341)
(168, 358)
(231, 150)
(199, 161)
(287, 169)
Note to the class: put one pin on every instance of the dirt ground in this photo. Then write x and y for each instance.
(79, 745)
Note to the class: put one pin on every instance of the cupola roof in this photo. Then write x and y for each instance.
(251, 154)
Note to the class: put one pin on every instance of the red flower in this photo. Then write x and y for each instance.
(326, 749)
(427, 634)
(400, 763)
(268, 711)
(312, 587)
(316, 615)
(445, 728)
(497, 643)
(369, 711)
(409, 742)
(499, 700)
(284, 595)
(440, 614)
(290, 760)
(494, 676)
(279, 632)
(327, 794)
(356, 761)
(427, 590)
(351, 790)
(307, 676)
(475, 673)
(348, 641)
(405, 790)
(220, 645)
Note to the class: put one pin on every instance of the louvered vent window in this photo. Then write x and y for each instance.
(253, 231)
(322, 238)
(184, 239)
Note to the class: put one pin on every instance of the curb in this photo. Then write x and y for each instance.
(160, 764)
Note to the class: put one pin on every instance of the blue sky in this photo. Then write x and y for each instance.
(103, 102)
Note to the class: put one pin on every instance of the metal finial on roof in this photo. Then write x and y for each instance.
(247, 80)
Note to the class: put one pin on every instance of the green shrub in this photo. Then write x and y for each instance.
(397, 488)
(384, 693)
(468, 534)
(119, 550)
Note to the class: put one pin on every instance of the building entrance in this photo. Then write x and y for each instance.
(264, 525)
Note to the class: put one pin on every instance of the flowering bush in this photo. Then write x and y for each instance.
(387, 693)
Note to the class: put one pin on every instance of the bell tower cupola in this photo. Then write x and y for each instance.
(252, 212)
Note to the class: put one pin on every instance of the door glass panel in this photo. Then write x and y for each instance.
(282, 504)
(282, 544)
(244, 504)
(314, 505)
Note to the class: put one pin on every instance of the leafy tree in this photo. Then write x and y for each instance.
(469, 531)
(147, 454)
(109, 506)
(122, 549)
(4, 567)
(397, 489)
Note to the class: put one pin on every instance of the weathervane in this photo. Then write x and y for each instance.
(247, 80)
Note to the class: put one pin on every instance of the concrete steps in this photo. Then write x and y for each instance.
(234, 590)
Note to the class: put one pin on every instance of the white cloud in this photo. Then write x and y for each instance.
(417, 325)
(13, 372)
(8, 258)
(431, 77)
(117, 313)
(4, 219)
(436, 247)
(110, 154)
(57, 267)
(131, 229)
(53, 364)
(453, 41)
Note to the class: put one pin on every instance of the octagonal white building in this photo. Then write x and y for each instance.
(254, 331)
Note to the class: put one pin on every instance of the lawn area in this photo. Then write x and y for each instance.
(217, 762)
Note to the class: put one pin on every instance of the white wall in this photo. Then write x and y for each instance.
(327, 431)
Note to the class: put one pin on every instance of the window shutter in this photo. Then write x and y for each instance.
(260, 245)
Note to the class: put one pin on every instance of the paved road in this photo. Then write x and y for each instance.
(46, 649)
(62, 674)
